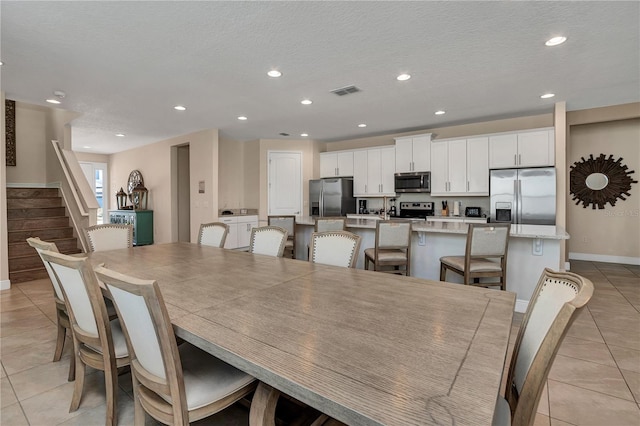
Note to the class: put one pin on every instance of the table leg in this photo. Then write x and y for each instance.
(263, 406)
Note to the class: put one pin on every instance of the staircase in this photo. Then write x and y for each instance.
(35, 212)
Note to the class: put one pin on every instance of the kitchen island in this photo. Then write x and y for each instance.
(531, 249)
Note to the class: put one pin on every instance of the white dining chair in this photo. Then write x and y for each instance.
(109, 236)
(213, 234)
(98, 342)
(337, 248)
(268, 240)
(173, 384)
(553, 307)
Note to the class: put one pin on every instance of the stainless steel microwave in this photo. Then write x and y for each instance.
(413, 182)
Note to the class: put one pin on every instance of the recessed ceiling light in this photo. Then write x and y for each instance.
(306, 102)
(53, 101)
(120, 135)
(362, 125)
(274, 73)
(242, 117)
(403, 77)
(1, 63)
(441, 112)
(548, 95)
(555, 41)
(180, 108)
(304, 135)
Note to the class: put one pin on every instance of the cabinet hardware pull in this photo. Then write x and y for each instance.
(467, 186)
(515, 159)
(520, 159)
(365, 188)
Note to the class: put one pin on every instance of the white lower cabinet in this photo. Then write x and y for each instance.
(460, 167)
(373, 172)
(239, 230)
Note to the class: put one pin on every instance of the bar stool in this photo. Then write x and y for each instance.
(324, 224)
(484, 242)
(392, 247)
(287, 222)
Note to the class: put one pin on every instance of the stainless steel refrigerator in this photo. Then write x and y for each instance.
(331, 197)
(523, 196)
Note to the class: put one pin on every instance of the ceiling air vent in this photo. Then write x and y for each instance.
(347, 90)
(284, 134)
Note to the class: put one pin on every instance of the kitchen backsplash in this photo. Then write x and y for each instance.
(482, 202)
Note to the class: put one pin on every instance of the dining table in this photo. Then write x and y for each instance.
(363, 347)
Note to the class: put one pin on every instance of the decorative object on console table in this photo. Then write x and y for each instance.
(598, 181)
(140, 196)
(141, 220)
(121, 198)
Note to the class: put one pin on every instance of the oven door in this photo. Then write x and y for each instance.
(412, 182)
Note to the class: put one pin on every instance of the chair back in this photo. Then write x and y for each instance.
(40, 247)
(268, 240)
(556, 300)
(146, 325)
(213, 234)
(83, 297)
(324, 224)
(488, 239)
(337, 248)
(287, 222)
(109, 236)
(392, 234)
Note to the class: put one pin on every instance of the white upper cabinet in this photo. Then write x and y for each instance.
(522, 149)
(373, 172)
(413, 153)
(460, 167)
(339, 163)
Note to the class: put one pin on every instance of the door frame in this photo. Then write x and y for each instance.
(301, 195)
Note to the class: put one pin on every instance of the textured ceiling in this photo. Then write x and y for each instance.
(124, 65)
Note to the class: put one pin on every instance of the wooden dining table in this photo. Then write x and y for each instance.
(366, 348)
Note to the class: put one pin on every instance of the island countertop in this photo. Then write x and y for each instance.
(549, 232)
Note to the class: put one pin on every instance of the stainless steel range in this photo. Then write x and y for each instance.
(416, 210)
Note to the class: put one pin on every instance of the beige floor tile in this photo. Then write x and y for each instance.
(589, 375)
(621, 337)
(24, 326)
(543, 404)
(7, 395)
(14, 302)
(13, 416)
(583, 407)
(633, 381)
(39, 379)
(627, 359)
(584, 327)
(19, 342)
(35, 355)
(586, 350)
(10, 317)
(541, 420)
(97, 415)
(2, 372)
(556, 422)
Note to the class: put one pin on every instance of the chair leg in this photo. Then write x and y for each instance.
(366, 263)
(139, 415)
(62, 333)
(443, 272)
(78, 385)
(111, 385)
(72, 366)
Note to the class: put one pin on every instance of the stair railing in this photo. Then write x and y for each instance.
(78, 196)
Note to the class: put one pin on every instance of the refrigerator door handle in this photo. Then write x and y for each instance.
(520, 201)
(321, 212)
(516, 199)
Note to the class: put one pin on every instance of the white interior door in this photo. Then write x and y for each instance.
(285, 183)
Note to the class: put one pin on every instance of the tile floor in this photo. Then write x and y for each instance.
(595, 379)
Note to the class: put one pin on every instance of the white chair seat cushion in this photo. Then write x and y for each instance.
(502, 415)
(386, 255)
(288, 244)
(476, 265)
(119, 341)
(208, 379)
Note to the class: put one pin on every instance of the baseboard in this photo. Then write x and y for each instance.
(34, 185)
(5, 284)
(521, 306)
(626, 260)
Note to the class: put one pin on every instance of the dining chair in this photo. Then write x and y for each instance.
(62, 317)
(213, 234)
(98, 342)
(287, 222)
(173, 384)
(392, 247)
(109, 236)
(269, 240)
(554, 305)
(323, 224)
(484, 242)
(337, 248)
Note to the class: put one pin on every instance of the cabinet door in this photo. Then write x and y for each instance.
(374, 174)
(245, 224)
(422, 153)
(404, 155)
(457, 160)
(439, 168)
(360, 166)
(345, 163)
(387, 171)
(232, 236)
(328, 164)
(535, 149)
(478, 166)
(503, 151)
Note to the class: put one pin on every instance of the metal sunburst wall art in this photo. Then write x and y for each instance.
(598, 181)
